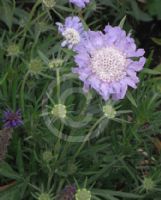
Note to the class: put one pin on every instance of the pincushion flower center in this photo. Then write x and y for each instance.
(72, 36)
(109, 64)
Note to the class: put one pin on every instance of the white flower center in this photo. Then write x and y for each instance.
(109, 64)
(72, 36)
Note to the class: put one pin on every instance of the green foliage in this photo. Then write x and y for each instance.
(154, 8)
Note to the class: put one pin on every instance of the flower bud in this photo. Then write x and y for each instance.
(148, 184)
(13, 50)
(55, 63)
(83, 194)
(72, 168)
(44, 196)
(59, 111)
(47, 156)
(49, 3)
(35, 66)
(109, 111)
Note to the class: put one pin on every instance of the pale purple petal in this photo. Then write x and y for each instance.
(80, 3)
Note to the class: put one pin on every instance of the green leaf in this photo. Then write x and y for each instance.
(6, 13)
(158, 68)
(13, 193)
(156, 40)
(43, 57)
(151, 71)
(131, 99)
(19, 158)
(3, 78)
(138, 13)
(116, 193)
(122, 22)
(7, 171)
(154, 8)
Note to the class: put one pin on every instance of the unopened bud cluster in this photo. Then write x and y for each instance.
(83, 194)
(49, 3)
(35, 66)
(44, 196)
(13, 50)
(59, 111)
(55, 63)
(109, 111)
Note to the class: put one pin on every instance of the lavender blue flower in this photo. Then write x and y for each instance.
(72, 31)
(80, 3)
(108, 62)
(12, 119)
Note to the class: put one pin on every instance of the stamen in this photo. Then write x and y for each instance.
(71, 36)
(109, 64)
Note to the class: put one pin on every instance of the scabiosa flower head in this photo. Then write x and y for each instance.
(79, 3)
(12, 119)
(108, 62)
(72, 31)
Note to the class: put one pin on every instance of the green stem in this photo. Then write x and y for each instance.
(30, 18)
(22, 91)
(88, 136)
(58, 84)
(51, 174)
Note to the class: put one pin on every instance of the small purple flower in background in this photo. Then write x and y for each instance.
(108, 62)
(80, 3)
(67, 193)
(12, 119)
(72, 31)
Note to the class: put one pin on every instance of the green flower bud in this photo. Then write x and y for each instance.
(83, 194)
(47, 156)
(49, 3)
(55, 63)
(44, 196)
(35, 66)
(59, 111)
(109, 111)
(13, 50)
(148, 184)
(72, 168)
